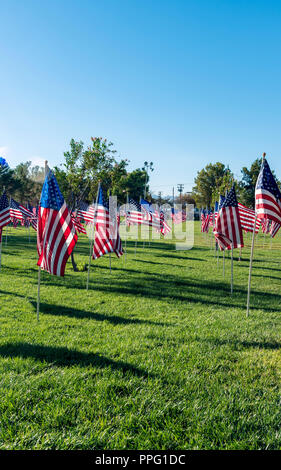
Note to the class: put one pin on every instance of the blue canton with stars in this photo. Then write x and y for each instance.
(101, 200)
(51, 197)
(222, 199)
(134, 206)
(14, 204)
(146, 205)
(4, 203)
(267, 181)
(231, 200)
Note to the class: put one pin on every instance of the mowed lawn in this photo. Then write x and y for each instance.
(156, 355)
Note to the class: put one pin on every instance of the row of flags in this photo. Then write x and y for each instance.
(230, 217)
(58, 229)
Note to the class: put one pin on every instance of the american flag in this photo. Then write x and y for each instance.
(267, 195)
(26, 211)
(206, 222)
(228, 230)
(78, 226)
(15, 210)
(202, 217)
(247, 219)
(212, 220)
(107, 238)
(56, 235)
(265, 225)
(275, 226)
(86, 212)
(34, 218)
(135, 215)
(5, 217)
(164, 227)
(14, 221)
(178, 216)
(221, 201)
(216, 212)
(152, 216)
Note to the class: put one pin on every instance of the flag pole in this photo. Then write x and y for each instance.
(38, 291)
(91, 240)
(8, 225)
(251, 259)
(127, 203)
(39, 267)
(109, 252)
(0, 248)
(250, 267)
(231, 286)
(223, 264)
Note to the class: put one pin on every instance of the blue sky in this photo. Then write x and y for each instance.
(180, 83)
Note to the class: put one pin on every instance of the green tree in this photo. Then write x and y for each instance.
(248, 183)
(7, 180)
(83, 169)
(28, 182)
(134, 183)
(210, 182)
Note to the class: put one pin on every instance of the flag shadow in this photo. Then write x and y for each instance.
(52, 309)
(238, 345)
(65, 357)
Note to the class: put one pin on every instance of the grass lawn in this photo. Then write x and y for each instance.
(157, 355)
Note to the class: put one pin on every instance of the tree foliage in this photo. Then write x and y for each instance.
(211, 181)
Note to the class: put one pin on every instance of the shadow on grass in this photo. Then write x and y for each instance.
(52, 309)
(237, 344)
(62, 356)
(173, 288)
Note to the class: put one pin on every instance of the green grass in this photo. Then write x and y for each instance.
(157, 355)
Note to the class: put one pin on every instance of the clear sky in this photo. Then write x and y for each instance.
(177, 82)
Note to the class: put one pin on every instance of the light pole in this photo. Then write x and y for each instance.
(180, 189)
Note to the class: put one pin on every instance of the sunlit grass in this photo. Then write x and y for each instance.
(156, 355)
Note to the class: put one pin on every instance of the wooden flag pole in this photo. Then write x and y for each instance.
(38, 291)
(39, 267)
(91, 240)
(250, 268)
(90, 253)
(0, 250)
(223, 264)
(127, 205)
(231, 285)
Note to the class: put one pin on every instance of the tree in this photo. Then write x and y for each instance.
(248, 183)
(28, 182)
(210, 182)
(83, 169)
(186, 198)
(147, 166)
(133, 183)
(7, 180)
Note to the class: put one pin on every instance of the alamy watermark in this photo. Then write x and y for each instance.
(156, 222)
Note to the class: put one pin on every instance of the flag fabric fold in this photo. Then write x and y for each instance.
(5, 217)
(56, 235)
(267, 195)
(107, 238)
(228, 230)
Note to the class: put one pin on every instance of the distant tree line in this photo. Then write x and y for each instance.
(215, 179)
(79, 174)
